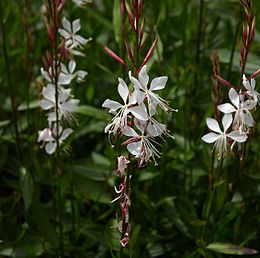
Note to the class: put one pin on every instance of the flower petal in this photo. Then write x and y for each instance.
(143, 77)
(226, 108)
(72, 66)
(210, 137)
(64, 33)
(213, 125)
(123, 89)
(70, 105)
(135, 82)
(46, 104)
(76, 26)
(158, 83)
(65, 133)
(227, 121)
(111, 104)
(234, 97)
(50, 147)
(66, 24)
(135, 148)
(238, 136)
(139, 112)
(129, 131)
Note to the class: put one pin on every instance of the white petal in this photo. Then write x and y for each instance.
(238, 136)
(139, 112)
(158, 83)
(50, 147)
(248, 119)
(81, 40)
(156, 129)
(111, 104)
(76, 25)
(66, 132)
(135, 82)
(249, 104)
(226, 108)
(45, 75)
(135, 148)
(210, 137)
(213, 125)
(71, 105)
(64, 79)
(252, 83)
(46, 104)
(129, 131)
(64, 33)
(227, 121)
(123, 89)
(49, 92)
(143, 77)
(72, 66)
(246, 83)
(66, 24)
(234, 97)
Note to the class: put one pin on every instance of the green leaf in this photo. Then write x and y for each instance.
(226, 248)
(32, 105)
(117, 20)
(95, 172)
(26, 187)
(147, 176)
(92, 112)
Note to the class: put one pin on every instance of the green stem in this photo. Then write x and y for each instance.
(58, 168)
(198, 45)
(210, 197)
(10, 86)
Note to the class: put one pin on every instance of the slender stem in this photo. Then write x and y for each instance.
(198, 45)
(210, 198)
(73, 218)
(58, 168)
(10, 86)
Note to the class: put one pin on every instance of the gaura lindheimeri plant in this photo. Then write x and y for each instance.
(57, 97)
(134, 120)
(237, 114)
(243, 99)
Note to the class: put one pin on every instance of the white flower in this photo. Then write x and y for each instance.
(141, 146)
(220, 137)
(63, 79)
(70, 72)
(48, 137)
(66, 105)
(243, 118)
(141, 85)
(250, 86)
(121, 111)
(72, 40)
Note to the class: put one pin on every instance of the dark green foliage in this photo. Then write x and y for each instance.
(168, 201)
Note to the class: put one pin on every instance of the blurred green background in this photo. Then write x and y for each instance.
(167, 200)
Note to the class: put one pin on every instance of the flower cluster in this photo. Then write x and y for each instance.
(57, 97)
(134, 120)
(237, 119)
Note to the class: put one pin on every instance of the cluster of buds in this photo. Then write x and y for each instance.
(137, 26)
(134, 120)
(237, 119)
(57, 97)
(248, 31)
